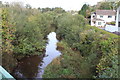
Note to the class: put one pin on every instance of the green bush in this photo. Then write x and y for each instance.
(90, 41)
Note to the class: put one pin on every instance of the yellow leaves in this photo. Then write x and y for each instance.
(31, 18)
(56, 61)
(1, 30)
(0, 10)
(7, 30)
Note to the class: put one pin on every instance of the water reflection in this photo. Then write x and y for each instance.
(33, 67)
(51, 53)
(27, 67)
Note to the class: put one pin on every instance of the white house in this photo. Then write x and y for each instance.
(101, 17)
(118, 18)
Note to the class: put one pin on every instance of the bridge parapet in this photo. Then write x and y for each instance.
(5, 75)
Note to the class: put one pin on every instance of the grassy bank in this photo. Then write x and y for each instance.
(70, 64)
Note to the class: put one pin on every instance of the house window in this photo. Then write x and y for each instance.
(99, 23)
(109, 16)
(101, 16)
(118, 24)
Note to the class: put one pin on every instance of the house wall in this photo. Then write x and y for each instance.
(106, 19)
(92, 23)
(96, 22)
(118, 17)
(102, 24)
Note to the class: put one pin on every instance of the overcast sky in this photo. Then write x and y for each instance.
(65, 4)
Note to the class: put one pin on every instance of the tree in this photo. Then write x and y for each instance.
(58, 10)
(39, 8)
(107, 5)
(46, 9)
(84, 10)
(118, 4)
(28, 6)
(8, 33)
(8, 36)
(1, 4)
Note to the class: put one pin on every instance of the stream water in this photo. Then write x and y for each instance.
(33, 66)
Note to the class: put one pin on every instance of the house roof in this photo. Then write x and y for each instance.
(105, 12)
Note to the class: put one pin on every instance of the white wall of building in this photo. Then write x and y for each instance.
(106, 18)
(100, 23)
(97, 23)
(92, 23)
(111, 28)
(118, 17)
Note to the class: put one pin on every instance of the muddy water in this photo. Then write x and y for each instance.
(33, 66)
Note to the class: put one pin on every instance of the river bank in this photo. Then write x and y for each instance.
(89, 57)
(33, 66)
(70, 65)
